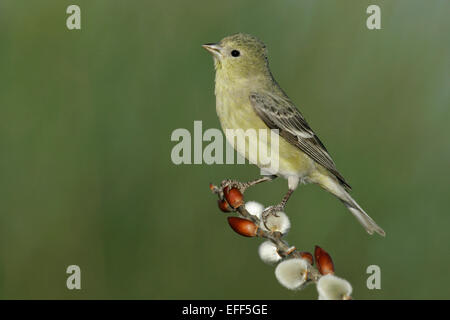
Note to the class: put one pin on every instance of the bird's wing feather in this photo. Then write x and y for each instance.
(280, 113)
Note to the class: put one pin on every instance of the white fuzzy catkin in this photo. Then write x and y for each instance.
(331, 287)
(291, 273)
(279, 223)
(268, 252)
(254, 208)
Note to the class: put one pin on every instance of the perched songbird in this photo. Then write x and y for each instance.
(248, 97)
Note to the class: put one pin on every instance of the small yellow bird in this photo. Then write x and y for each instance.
(248, 97)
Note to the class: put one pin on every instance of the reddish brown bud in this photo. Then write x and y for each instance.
(242, 226)
(323, 261)
(307, 256)
(224, 206)
(234, 197)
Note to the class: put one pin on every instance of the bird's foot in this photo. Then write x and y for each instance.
(271, 211)
(241, 186)
(228, 184)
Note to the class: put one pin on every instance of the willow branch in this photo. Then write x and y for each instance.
(295, 269)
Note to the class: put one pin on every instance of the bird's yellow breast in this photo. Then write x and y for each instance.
(236, 112)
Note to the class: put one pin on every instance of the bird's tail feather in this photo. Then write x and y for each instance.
(363, 218)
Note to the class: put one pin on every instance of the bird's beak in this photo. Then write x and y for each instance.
(214, 49)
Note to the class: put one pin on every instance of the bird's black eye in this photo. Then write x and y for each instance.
(235, 53)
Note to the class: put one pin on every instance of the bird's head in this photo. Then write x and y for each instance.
(239, 56)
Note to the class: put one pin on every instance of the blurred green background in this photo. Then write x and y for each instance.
(86, 118)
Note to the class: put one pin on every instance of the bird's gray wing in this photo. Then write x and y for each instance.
(280, 113)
